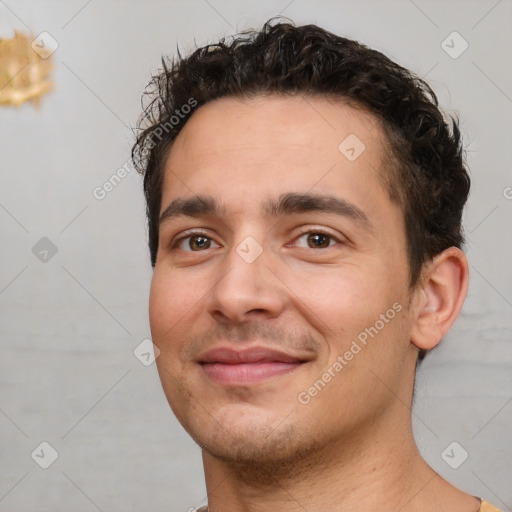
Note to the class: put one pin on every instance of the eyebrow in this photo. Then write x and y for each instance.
(301, 203)
(285, 204)
(197, 206)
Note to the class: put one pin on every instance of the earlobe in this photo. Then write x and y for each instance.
(439, 297)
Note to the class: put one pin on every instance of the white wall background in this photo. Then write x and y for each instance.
(69, 326)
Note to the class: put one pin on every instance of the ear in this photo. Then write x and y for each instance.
(439, 297)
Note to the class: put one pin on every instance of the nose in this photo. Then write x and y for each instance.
(248, 288)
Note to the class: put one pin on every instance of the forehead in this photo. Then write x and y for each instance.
(245, 148)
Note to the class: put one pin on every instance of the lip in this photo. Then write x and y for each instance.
(229, 366)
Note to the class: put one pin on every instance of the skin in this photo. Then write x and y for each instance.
(351, 446)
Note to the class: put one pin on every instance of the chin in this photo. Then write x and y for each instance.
(247, 441)
(251, 446)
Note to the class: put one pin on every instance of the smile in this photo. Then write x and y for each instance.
(236, 367)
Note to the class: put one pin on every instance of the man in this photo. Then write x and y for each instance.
(304, 200)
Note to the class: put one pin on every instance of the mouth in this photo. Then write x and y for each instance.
(241, 367)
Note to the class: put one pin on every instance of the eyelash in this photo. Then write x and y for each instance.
(191, 234)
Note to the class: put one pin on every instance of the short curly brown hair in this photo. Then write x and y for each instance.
(427, 175)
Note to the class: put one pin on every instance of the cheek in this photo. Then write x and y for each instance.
(168, 296)
(353, 309)
(170, 308)
(171, 305)
(341, 300)
(160, 306)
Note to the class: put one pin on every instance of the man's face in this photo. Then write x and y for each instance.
(255, 302)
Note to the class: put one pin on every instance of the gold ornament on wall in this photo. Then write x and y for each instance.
(25, 67)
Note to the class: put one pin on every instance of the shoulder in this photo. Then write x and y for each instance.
(487, 507)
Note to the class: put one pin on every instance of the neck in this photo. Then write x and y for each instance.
(375, 468)
(364, 471)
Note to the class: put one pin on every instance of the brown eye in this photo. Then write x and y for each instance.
(195, 243)
(316, 240)
(199, 242)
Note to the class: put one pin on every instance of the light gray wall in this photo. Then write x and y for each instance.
(69, 325)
